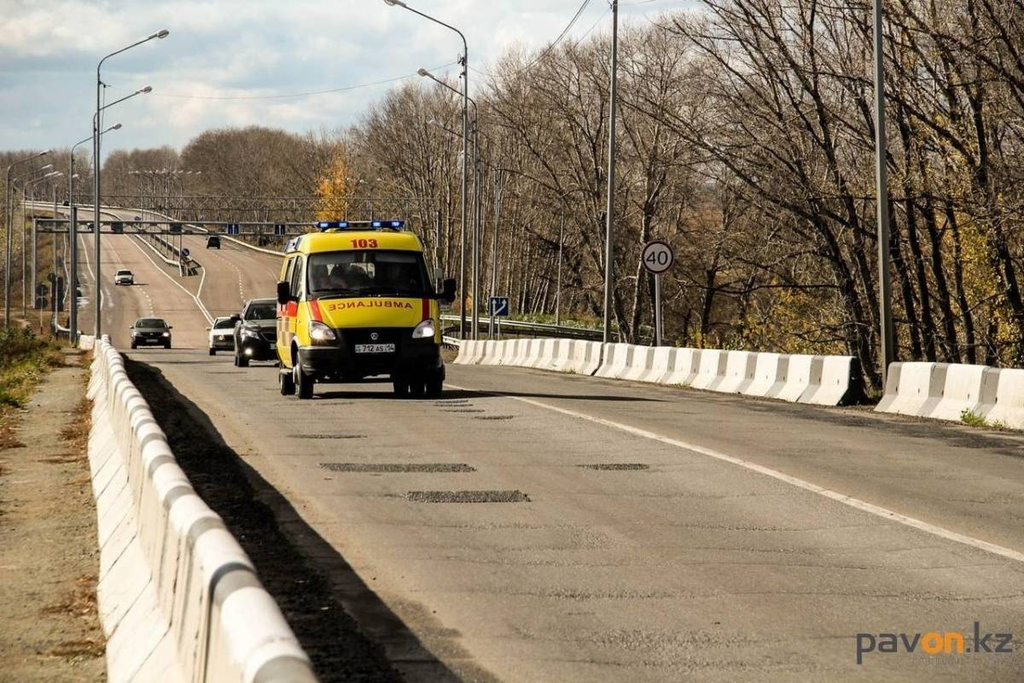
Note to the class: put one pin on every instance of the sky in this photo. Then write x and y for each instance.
(230, 63)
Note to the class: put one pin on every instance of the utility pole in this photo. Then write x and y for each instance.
(476, 231)
(882, 199)
(609, 243)
(558, 280)
(498, 186)
(73, 308)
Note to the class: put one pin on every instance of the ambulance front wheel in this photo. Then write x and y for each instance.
(435, 384)
(303, 383)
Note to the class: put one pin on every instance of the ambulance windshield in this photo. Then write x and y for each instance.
(375, 272)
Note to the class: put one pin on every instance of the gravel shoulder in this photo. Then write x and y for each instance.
(49, 557)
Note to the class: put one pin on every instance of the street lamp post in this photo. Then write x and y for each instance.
(24, 270)
(9, 218)
(24, 238)
(882, 199)
(97, 123)
(609, 244)
(73, 233)
(476, 194)
(465, 154)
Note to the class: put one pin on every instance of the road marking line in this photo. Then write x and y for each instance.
(849, 501)
(199, 303)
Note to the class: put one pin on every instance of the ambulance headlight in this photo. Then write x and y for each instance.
(320, 333)
(424, 330)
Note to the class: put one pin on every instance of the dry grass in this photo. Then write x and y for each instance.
(24, 359)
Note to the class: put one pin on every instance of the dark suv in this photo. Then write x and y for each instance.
(256, 332)
(151, 331)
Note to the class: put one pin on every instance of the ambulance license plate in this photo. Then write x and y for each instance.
(375, 348)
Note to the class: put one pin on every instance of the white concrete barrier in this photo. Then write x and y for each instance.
(739, 372)
(640, 365)
(616, 361)
(660, 365)
(492, 353)
(710, 369)
(823, 380)
(178, 598)
(802, 372)
(683, 365)
(911, 388)
(946, 391)
(1003, 397)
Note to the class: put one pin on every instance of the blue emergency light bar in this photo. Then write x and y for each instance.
(357, 225)
(332, 225)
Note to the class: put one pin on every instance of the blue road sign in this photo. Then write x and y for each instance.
(499, 306)
(185, 252)
(233, 228)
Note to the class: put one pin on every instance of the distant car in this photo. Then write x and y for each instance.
(124, 277)
(137, 218)
(66, 203)
(222, 334)
(213, 242)
(256, 332)
(151, 331)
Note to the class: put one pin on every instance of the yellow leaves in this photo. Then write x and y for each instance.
(332, 190)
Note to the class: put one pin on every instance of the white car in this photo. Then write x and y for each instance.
(124, 277)
(222, 334)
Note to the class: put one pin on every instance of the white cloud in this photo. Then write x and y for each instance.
(223, 48)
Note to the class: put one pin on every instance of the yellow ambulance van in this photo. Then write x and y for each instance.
(356, 300)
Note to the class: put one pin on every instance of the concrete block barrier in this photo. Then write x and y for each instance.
(179, 600)
(912, 388)
(683, 366)
(640, 365)
(1003, 397)
(616, 361)
(739, 372)
(945, 391)
(710, 369)
(822, 380)
(660, 365)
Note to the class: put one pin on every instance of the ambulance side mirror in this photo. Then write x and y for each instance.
(284, 294)
(448, 291)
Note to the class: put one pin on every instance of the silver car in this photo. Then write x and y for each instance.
(222, 334)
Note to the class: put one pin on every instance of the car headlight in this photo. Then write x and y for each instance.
(425, 329)
(166, 334)
(320, 333)
(248, 332)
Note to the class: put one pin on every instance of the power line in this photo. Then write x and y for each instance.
(551, 47)
(346, 88)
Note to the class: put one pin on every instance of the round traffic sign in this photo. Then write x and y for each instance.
(185, 252)
(657, 257)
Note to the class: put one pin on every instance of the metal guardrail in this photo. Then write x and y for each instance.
(540, 329)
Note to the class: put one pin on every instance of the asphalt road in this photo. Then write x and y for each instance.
(635, 532)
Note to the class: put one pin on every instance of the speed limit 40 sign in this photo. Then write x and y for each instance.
(658, 257)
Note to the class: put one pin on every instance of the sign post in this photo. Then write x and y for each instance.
(498, 309)
(657, 258)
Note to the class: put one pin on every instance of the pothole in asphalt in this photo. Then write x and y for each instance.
(467, 497)
(327, 436)
(494, 417)
(396, 467)
(616, 466)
